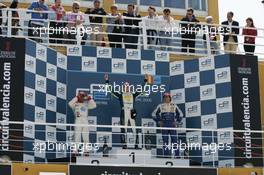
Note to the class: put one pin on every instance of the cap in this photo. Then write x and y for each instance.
(76, 2)
(114, 5)
(208, 17)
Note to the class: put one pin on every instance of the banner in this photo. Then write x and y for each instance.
(246, 110)
(12, 56)
(107, 170)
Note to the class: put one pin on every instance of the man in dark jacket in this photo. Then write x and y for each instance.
(189, 31)
(231, 31)
(97, 10)
(131, 41)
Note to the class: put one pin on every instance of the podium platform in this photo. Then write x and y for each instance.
(131, 157)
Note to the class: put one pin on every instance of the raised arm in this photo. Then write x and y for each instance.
(91, 103)
(136, 94)
(115, 94)
(73, 102)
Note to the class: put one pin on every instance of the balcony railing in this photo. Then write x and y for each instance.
(163, 34)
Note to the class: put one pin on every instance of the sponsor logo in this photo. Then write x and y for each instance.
(7, 52)
(41, 52)
(29, 96)
(119, 65)
(177, 96)
(104, 52)
(51, 102)
(133, 53)
(223, 105)
(192, 79)
(193, 109)
(91, 122)
(148, 67)
(222, 75)
(225, 135)
(61, 90)
(90, 63)
(208, 122)
(149, 124)
(29, 129)
(74, 50)
(194, 138)
(176, 67)
(206, 63)
(40, 115)
(244, 69)
(41, 83)
(51, 71)
(208, 92)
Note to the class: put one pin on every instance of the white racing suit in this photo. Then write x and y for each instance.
(167, 114)
(80, 111)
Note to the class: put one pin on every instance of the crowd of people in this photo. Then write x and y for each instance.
(125, 28)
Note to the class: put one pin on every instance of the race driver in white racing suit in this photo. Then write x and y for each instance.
(80, 106)
(128, 112)
(167, 114)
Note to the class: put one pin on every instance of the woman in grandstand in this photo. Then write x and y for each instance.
(56, 22)
(250, 33)
(75, 20)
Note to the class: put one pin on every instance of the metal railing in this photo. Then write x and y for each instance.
(166, 36)
(107, 150)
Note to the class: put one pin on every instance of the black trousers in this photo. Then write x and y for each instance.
(131, 39)
(34, 31)
(188, 43)
(115, 41)
(56, 34)
(250, 49)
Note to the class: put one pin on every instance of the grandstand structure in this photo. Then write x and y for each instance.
(220, 94)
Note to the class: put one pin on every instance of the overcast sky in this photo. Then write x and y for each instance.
(243, 9)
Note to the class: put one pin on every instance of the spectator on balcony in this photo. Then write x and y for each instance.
(165, 29)
(37, 19)
(212, 32)
(250, 33)
(132, 27)
(116, 19)
(2, 6)
(15, 17)
(75, 20)
(231, 30)
(151, 26)
(56, 23)
(96, 38)
(189, 30)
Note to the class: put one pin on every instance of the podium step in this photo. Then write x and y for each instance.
(130, 157)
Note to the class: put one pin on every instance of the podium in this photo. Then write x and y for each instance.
(131, 157)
